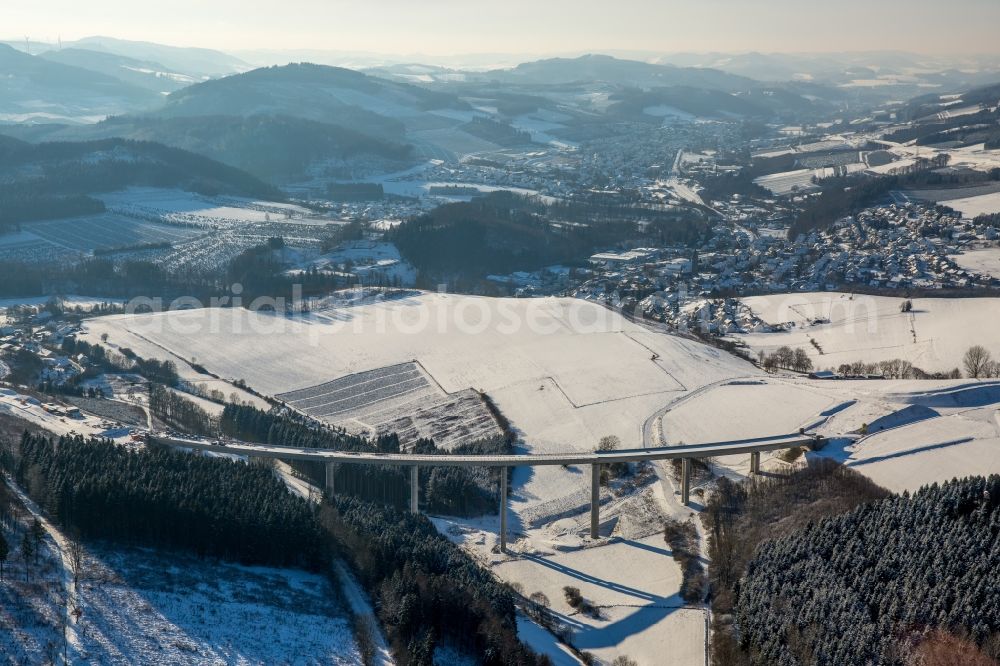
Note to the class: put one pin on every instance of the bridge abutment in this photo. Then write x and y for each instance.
(755, 462)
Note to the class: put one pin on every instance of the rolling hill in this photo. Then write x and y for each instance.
(274, 148)
(595, 68)
(143, 73)
(33, 88)
(197, 62)
(52, 180)
(317, 92)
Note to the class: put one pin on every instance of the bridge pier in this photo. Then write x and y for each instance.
(414, 489)
(503, 509)
(685, 481)
(331, 471)
(595, 500)
(755, 462)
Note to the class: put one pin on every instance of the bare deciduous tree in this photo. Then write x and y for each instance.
(976, 361)
(75, 554)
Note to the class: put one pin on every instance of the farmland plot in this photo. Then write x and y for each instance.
(28, 247)
(399, 399)
(357, 394)
(101, 232)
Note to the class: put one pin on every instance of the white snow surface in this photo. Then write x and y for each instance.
(567, 372)
(985, 261)
(934, 336)
(983, 204)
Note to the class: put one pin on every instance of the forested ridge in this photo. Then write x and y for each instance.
(426, 590)
(867, 586)
(52, 180)
(155, 497)
(271, 147)
(503, 232)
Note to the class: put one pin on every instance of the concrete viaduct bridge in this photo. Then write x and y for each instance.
(685, 453)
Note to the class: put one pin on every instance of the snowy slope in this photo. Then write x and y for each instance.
(934, 336)
(564, 371)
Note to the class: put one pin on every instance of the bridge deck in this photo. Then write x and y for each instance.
(707, 450)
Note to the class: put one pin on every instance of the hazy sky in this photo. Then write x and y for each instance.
(440, 27)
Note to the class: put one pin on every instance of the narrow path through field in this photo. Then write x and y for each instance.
(62, 545)
(360, 605)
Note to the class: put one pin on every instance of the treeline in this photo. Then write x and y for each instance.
(861, 588)
(502, 232)
(740, 516)
(246, 422)
(157, 497)
(894, 368)
(502, 134)
(28, 204)
(463, 491)
(427, 592)
(106, 165)
(64, 173)
(786, 358)
(177, 411)
(124, 360)
(272, 147)
(257, 269)
(103, 276)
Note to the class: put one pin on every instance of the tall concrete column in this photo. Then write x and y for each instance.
(685, 481)
(755, 462)
(331, 471)
(595, 500)
(414, 488)
(503, 509)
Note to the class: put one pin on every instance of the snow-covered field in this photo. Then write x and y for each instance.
(983, 204)
(918, 431)
(144, 607)
(635, 583)
(934, 336)
(141, 605)
(985, 261)
(179, 206)
(565, 372)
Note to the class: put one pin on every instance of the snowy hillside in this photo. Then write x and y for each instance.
(848, 328)
(564, 371)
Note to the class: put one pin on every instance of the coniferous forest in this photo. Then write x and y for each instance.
(869, 586)
(426, 590)
(154, 497)
(461, 491)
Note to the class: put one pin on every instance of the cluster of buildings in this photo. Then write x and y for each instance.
(897, 246)
(37, 332)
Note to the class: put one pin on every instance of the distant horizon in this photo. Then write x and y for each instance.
(507, 59)
(448, 28)
(621, 53)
